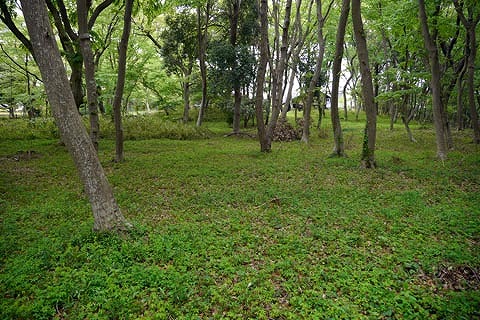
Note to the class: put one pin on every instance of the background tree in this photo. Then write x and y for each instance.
(339, 148)
(122, 61)
(470, 22)
(179, 51)
(433, 59)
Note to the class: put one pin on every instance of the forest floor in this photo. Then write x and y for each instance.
(222, 231)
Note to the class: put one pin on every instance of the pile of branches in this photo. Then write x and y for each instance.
(284, 131)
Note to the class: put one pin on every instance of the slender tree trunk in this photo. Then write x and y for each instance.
(339, 148)
(122, 64)
(186, 99)
(85, 46)
(297, 43)
(460, 110)
(107, 215)
(265, 140)
(470, 25)
(278, 84)
(345, 87)
(307, 109)
(202, 33)
(438, 112)
(368, 151)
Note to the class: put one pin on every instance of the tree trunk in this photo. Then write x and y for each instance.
(438, 112)
(339, 148)
(460, 110)
(470, 25)
(186, 98)
(88, 62)
(202, 33)
(107, 215)
(368, 151)
(76, 81)
(345, 109)
(277, 85)
(122, 64)
(265, 140)
(307, 109)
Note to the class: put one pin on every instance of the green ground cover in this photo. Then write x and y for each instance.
(225, 232)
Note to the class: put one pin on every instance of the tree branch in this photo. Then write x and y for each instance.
(18, 65)
(6, 18)
(102, 6)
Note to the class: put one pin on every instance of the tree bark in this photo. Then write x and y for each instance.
(85, 46)
(277, 85)
(202, 33)
(186, 97)
(107, 215)
(368, 151)
(339, 148)
(265, 140)
(122, 63)
(470, 25)
(438, 109)
(307, 109)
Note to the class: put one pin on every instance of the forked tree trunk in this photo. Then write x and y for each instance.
(277, 86)
(438, 112)
(107, 215)
(339, 148)
(368, 151)
(88, 62)
(122, 64)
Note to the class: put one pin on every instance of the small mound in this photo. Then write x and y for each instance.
(284, 131)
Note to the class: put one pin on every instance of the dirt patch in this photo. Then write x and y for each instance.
(24, 155)
(459, 278)
(456, 278)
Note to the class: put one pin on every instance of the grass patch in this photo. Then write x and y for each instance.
(223, 231)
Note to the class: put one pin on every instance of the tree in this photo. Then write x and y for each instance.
(318, 69)
(107, 214)
(264, 138)
(339, 148)
(203, 21)
(122, 62)
(368, 150)
(179, 51)
(87, 53)
(470, 23)
(438, 109)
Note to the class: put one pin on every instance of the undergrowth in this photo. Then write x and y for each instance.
(223, 231)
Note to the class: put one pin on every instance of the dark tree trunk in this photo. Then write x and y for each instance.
(438, 109)
(368, 151)
(470, 24)
(186, 97)
(107, 215)
(122, 64)
(202, 33)
(265, 140)
(76, 81)
(339, 149)
(85, 46)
